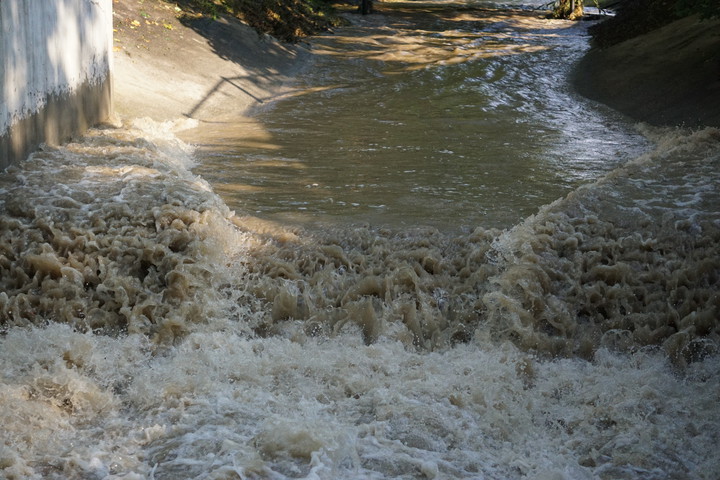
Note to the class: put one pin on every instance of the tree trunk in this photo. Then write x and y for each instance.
(365, 7)
(568, 9)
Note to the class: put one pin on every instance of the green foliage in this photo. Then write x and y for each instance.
(705, 8)
(287, 20)
(567, 9)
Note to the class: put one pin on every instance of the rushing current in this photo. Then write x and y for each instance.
(430, 260)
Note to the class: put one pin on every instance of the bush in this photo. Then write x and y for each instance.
(636, 17)
(286, 20)
(705, 8)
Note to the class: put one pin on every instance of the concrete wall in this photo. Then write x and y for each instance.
(55, 61)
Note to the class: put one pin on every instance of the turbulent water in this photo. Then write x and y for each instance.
(148, 331)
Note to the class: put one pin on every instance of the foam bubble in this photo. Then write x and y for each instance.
(111, 234)
(149, 333)
(618, 259)
(223, 404)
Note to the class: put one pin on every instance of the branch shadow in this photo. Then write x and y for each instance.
(265, 61)
(223, 80)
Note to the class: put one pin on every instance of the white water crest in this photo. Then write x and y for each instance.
(149, 332)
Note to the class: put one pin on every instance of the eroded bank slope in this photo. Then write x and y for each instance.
(670, 76)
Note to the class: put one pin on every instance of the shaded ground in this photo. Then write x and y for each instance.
(172, 64)
(669, 75)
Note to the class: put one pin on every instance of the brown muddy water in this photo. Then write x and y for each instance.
(438, 116)
(481, 276)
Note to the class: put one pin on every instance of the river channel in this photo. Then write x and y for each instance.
(429, 260)
(423, 115)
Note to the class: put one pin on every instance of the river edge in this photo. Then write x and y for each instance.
(170, 68)
(668, 77)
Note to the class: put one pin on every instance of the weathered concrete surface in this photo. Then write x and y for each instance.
(169, 67)
(55, 71)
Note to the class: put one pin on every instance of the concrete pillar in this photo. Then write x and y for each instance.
(55, 64)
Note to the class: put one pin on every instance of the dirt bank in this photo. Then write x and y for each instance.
(169, 64)
(670, 76)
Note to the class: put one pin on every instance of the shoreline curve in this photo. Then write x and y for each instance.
(667, 77)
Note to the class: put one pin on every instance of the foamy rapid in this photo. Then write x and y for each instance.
(148, 332)
(630, 261)
(111, 235)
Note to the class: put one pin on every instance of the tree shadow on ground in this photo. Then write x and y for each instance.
(265, 62)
